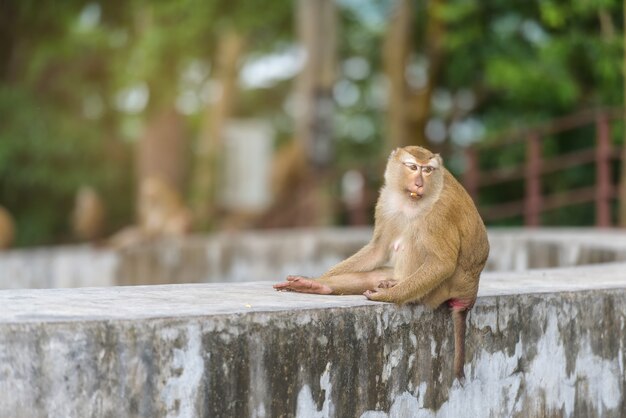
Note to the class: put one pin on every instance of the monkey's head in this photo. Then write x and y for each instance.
(415, 172)
(155, 191)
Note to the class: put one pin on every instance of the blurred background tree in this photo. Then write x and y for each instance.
(106, 93)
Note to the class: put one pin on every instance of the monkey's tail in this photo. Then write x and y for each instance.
(459, 316)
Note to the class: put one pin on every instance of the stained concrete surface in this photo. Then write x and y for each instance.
(540, 344)
(171, 301)
(544, 342)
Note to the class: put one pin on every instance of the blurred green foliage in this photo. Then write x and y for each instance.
(532, 62)
(62, 68)
(64, 64)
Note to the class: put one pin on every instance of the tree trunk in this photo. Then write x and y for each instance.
(420, 104)
(317, 31)
(8, 36)
(409, 110)
(396, 51)
(622, 185)
(316, 23)
(162, 148)
(206, 172)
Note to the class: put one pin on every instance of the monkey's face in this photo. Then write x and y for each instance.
(414, 171)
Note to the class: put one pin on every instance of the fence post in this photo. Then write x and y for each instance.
(532, 203)
(471, 173)
(603, 172)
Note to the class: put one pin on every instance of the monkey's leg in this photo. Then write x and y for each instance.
(369, 258)
(341, 284)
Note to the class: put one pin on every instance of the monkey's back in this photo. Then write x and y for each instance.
(460, 213)
(474, 244)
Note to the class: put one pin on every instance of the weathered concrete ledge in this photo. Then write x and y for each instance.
(224, 257)
(271, 255)
(545, 343)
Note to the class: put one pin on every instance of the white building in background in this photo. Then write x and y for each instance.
(246, 165)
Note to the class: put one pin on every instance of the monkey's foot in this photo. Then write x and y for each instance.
(303, 285)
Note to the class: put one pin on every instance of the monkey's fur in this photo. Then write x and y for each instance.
(429, 245)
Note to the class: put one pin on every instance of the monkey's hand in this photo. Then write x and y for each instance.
(379, 295)
(387, 284)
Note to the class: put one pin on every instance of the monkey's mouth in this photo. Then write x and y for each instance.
(415, 195)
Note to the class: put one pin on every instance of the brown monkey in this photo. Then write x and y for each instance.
(7, 229)
(161, 209)
(161, 212)
(88, 215)
(429, 245)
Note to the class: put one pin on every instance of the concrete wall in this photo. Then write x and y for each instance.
(523, 249)
(545, 343)
(541, 343)
(228, 257)
(273, 255)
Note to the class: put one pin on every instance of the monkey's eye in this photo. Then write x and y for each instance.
(412, 167)
(427, 169)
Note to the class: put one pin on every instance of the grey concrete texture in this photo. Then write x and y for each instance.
(541, 343)
(190, 300)
(224, 257)
(271, 255)
(544, 343)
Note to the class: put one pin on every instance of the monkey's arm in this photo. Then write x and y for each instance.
(412, 287)
(368, 258)
(416, 281)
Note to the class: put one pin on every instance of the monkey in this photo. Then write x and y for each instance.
(161, 209)
(161, 213)
(429, 245)
(7, 229)
(88, 215)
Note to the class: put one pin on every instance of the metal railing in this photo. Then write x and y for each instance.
(534, 202)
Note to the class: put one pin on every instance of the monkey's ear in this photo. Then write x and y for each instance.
(394, 152)
(439, 160)
(402, 154)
